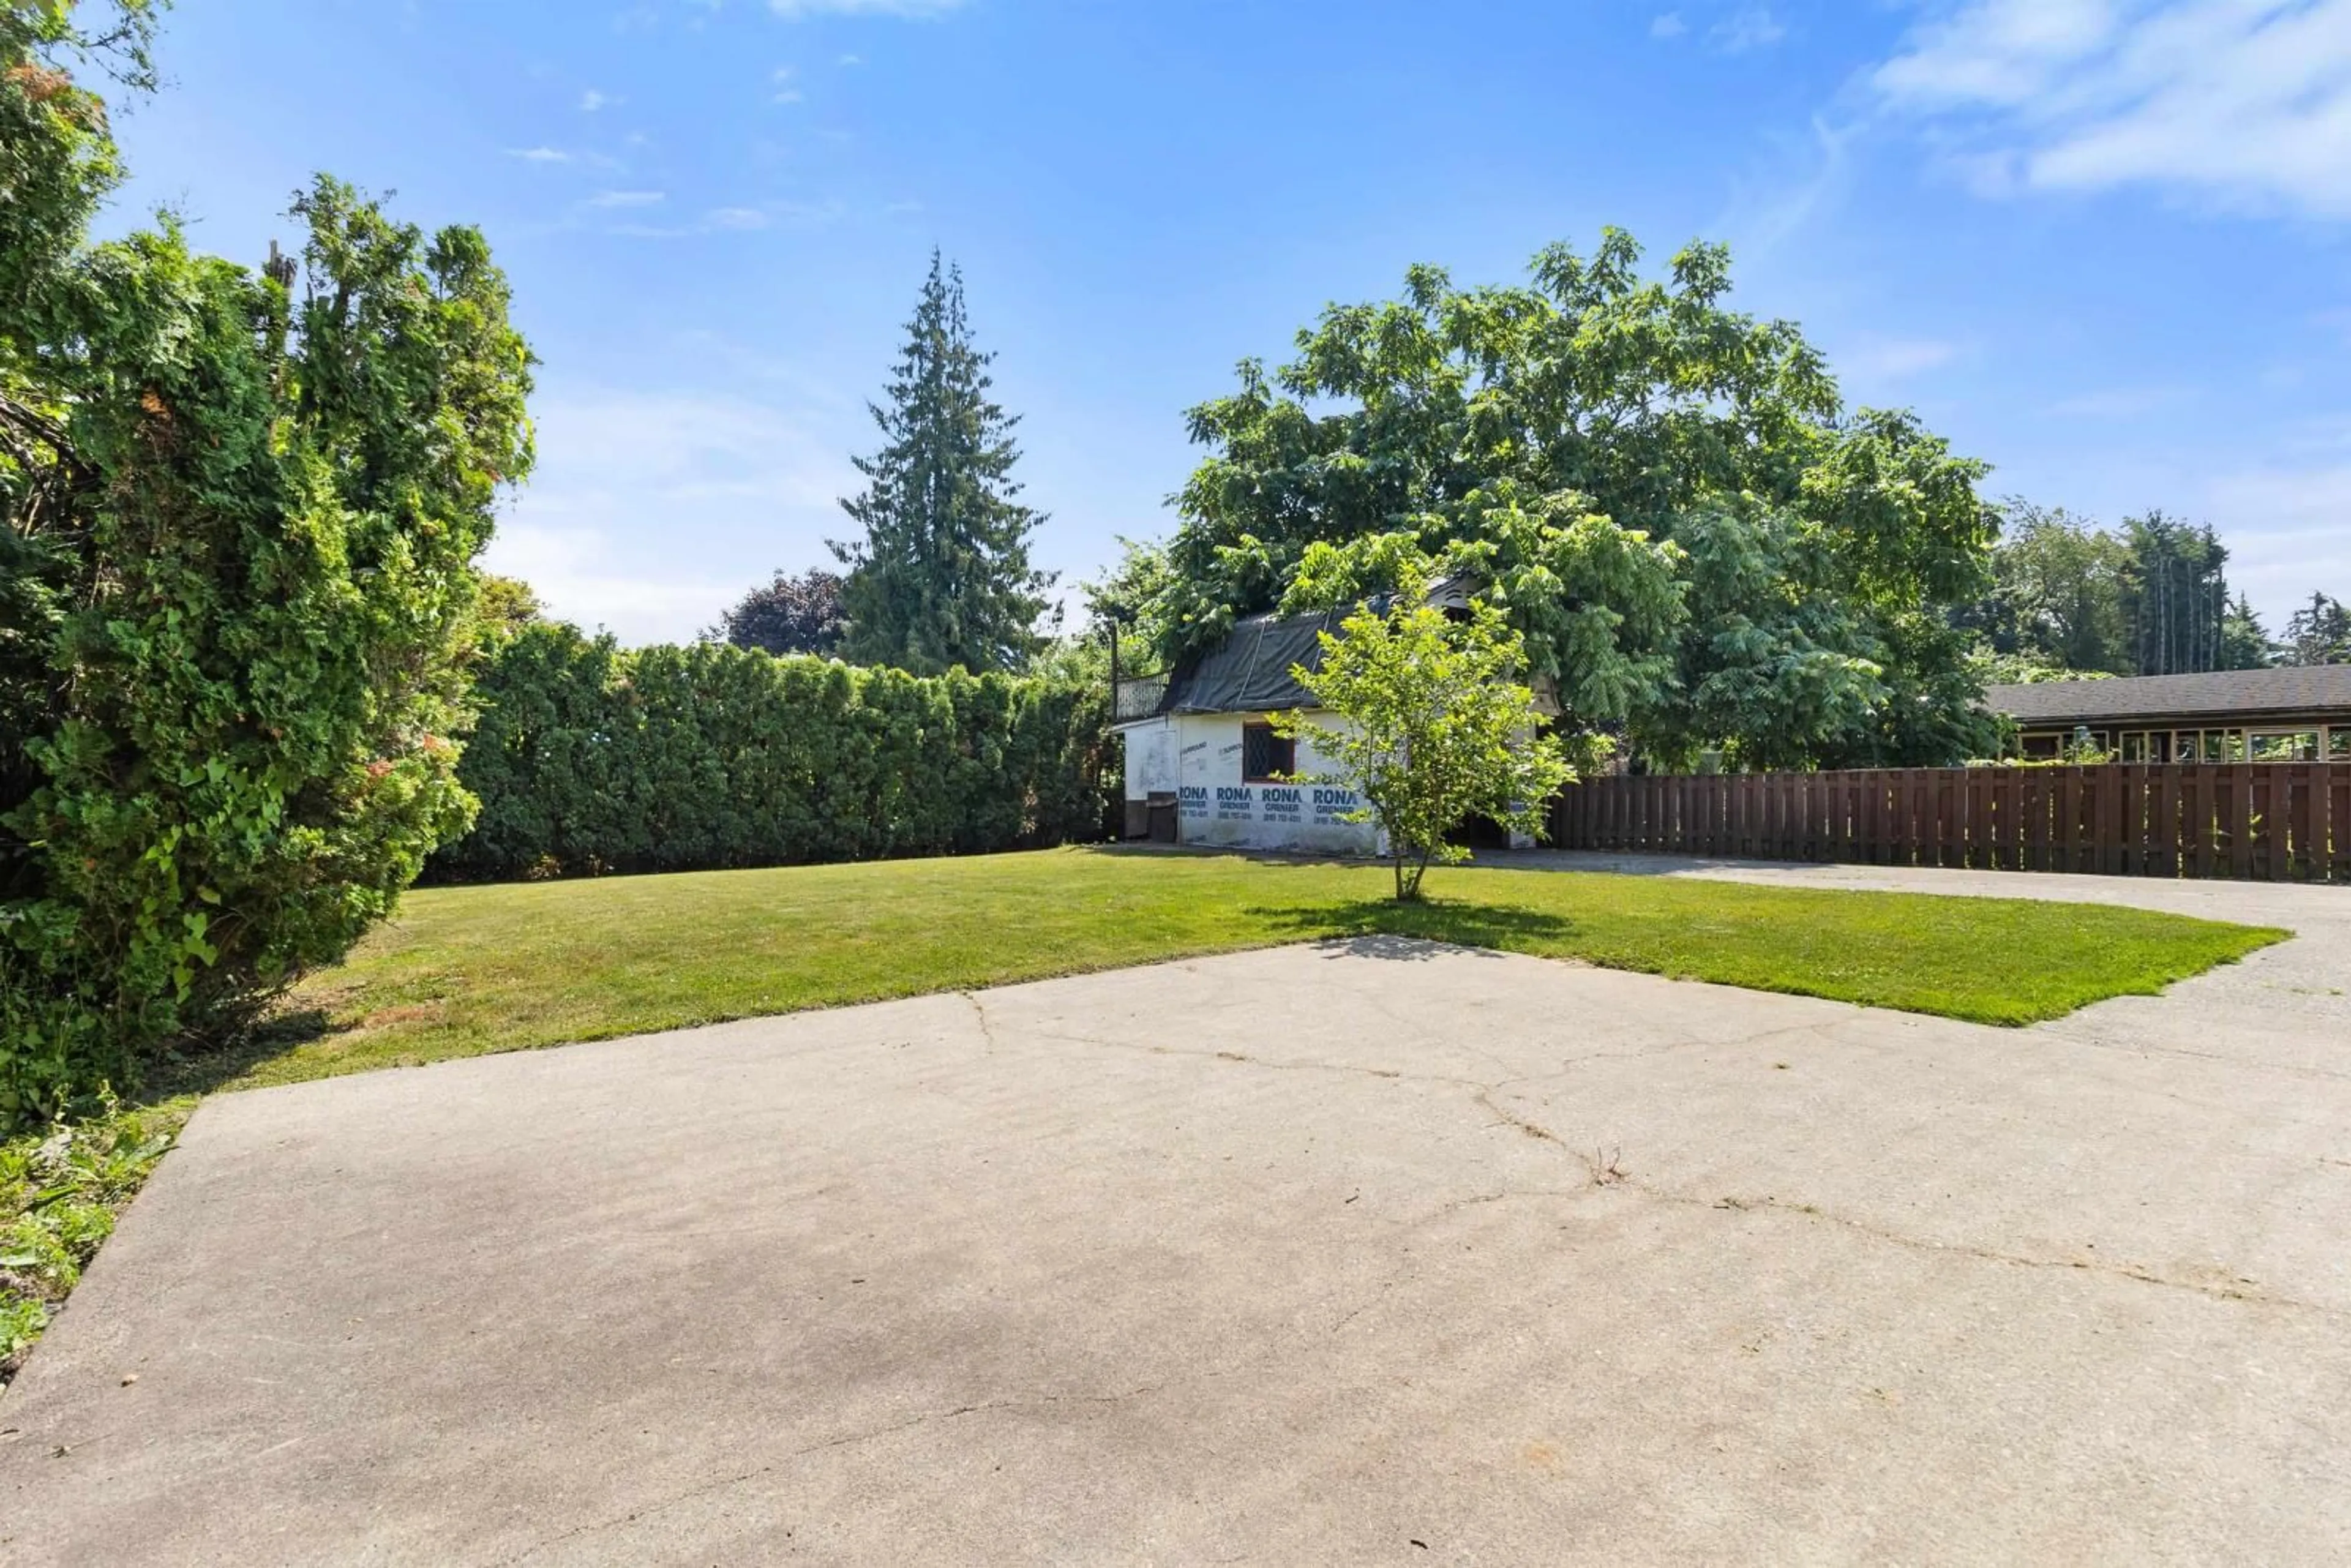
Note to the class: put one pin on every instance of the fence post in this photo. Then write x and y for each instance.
(2302, 864)
(2262, 825)
(2337, 776)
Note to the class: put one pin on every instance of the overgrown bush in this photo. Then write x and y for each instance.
(60, 1187)
(590, 758)
(239, 513)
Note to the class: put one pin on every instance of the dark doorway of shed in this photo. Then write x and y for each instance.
(1479, 833)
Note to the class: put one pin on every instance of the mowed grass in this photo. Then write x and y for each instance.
(463, 971)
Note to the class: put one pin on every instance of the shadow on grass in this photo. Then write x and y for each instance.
(1140, 849)
(199, 1068)
(1384, 928)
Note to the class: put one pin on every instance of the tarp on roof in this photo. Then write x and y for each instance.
(1249, 672)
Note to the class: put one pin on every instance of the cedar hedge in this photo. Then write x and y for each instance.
(590, 758)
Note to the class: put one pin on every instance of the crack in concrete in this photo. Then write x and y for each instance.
(1396, 1074)
(845, 1440)
(1389, 1074)
(2139, 1048)
(1405, 1274)
(1993, 1255)
(987, 1028)
(1601, 1176)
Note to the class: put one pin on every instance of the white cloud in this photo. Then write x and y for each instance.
(2242, 102)
(789, 95)
(1892, 359)
(1667, 25)
(797, 10)
(591, 100)
(1750, 27)
(539, 154)
(580, 576)
(849, 60)
(626, 198)
(2286, 529)
(2121, 402)
(743, 220)
(1997, 51)
(2325, 433)
(652, 511)
(1775, 201)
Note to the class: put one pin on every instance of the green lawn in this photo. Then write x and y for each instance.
(468, 971)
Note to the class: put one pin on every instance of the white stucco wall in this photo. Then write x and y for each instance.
(1198, 756)
(1150, 758)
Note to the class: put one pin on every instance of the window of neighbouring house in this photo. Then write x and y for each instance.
(1266, 757)
(2282, 746)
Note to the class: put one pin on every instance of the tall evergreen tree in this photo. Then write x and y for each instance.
(2319, 632)
(2176, 594)
(2244, 641)
(942, 577)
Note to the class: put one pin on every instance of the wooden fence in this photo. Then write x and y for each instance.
(2265, 821)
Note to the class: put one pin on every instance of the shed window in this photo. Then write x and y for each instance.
(1266, 757)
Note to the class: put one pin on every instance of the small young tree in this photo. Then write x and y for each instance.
(1439, 729)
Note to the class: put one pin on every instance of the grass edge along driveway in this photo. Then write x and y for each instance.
(463, 971)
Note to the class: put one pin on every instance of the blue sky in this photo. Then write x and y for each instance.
(2104, 246)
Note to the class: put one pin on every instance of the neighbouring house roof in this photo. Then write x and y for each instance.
(2220, 694)
(1249, 672)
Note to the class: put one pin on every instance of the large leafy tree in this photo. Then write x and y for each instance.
(241, 512)
(1665, 497)
(2058, 594)
(799, 615)
(2071, 598)
(942, 577)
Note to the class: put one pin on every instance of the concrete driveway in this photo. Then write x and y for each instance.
(1374, 1253)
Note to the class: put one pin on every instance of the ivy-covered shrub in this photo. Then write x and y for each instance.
(588, 759)
(241, 510)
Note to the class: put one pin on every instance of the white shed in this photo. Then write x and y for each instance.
(1202, 751)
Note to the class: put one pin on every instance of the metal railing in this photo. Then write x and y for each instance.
(1138, 698)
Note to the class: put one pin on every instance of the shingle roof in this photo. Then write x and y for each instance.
(2222, 693)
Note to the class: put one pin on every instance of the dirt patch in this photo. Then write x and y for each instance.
(413, 1013)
